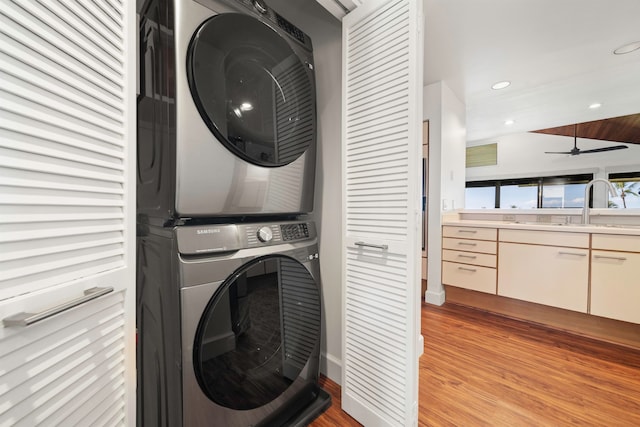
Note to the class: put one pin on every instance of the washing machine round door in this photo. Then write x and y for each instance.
(252, 89)
(257, 333)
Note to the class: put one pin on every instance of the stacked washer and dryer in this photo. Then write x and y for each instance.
(228, 287)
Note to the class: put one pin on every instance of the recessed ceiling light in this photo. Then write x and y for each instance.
(509, 122)
(595, 105)
(500, 85)
(627, 48)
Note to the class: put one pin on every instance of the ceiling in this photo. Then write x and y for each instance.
(558, 56)
(619, 129)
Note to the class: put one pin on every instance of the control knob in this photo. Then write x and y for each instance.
(260, 6)
(265, 234)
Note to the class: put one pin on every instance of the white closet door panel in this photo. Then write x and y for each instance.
(49, 372)
(67, 211)
(63, 124)
(381, 176)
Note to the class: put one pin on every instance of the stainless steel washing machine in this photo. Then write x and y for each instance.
(226, 111)
(242, 305)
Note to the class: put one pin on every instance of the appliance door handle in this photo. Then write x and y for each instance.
(616, 258)
(26, 319)
(571, 253)
(370, 245)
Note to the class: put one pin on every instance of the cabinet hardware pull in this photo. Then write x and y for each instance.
(467, 256)
(369, 245)
(467, 244)
(617, 258)
(467, 231)
(571, 253)
(26, 319)
(467, 269)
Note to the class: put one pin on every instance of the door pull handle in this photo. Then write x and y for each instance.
(370, 245)
(26, 319)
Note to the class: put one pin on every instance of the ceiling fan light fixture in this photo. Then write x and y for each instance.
(500, 85)
(627, 48)
(595, 106)
(509, 122)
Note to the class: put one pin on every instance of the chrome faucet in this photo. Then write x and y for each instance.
(585, 209)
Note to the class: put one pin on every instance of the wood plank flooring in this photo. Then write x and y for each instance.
(480, 369)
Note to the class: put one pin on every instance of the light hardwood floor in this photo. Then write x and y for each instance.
(480, 369)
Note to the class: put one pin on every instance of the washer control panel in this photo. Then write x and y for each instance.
(295, 231)
(217, 238)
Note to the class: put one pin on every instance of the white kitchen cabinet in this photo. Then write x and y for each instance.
(552, 275)
(615, 278)
(67, 217)
(469, 258)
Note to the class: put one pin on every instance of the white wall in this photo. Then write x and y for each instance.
(326, 34)
(447, 143)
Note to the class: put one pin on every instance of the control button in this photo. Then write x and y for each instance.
(260, 6)
(265, 234)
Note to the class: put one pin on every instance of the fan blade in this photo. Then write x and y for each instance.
(600, 150)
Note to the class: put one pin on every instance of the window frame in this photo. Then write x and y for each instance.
(540, 182)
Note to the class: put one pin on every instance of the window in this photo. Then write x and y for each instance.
(519, 195)
(628, 186)
(528, 193)
(480, 197)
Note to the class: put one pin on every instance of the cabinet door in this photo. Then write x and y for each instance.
(67, 213)
(547, 275)
(381, 212)
(615, 285)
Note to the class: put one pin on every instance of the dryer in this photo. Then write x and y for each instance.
(229, 321)
(226, 111)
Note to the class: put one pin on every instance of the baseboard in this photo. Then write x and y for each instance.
(599, 328)
(331, 367)
(434, 298)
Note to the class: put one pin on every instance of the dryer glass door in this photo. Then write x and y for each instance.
(257, 333)
(252, 89)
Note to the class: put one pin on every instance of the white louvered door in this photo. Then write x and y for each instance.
(382, 117)
(67, 212)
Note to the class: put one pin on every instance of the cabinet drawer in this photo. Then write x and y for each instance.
(616, 242)
(485, 260)
(470, 232)
(550, 238)
(482, 279)
(483, 246)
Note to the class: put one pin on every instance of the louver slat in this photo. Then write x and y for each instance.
(380, 123)
(61, 143)
(59, 373)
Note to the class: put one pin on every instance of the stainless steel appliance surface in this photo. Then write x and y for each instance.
(226, 111)
(242, 304)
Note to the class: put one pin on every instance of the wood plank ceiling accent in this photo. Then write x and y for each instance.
(619, 129)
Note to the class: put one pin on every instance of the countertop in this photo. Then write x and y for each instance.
(571, 228)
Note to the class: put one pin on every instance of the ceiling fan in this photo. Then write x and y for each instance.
(575, 150)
